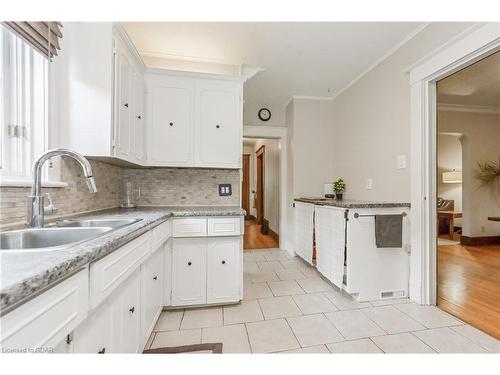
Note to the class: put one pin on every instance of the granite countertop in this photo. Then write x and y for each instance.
(24, 275)
(350, 203)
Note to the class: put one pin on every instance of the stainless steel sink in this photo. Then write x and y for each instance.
(45, 239)
(113, 223)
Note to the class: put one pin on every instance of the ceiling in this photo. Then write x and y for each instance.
(296, 58)
(475, 85)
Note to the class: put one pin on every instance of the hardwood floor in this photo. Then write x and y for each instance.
(469, 285)
(253, 239)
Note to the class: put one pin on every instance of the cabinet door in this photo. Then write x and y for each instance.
(171, 130)
(189, 271)
(152, 291)
(128, 316)
(223, 269)
(138, 121)
(94, 335)
(123, 105)
(218, 128)
(304, 214)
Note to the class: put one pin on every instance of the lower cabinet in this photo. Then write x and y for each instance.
(152, 280)
(205, 270)
(115, 326)
(189, 265)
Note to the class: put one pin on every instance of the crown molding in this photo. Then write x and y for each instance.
(306, 97)
(468, 108)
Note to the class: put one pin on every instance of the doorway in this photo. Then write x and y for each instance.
(468, 194)
(260, 193)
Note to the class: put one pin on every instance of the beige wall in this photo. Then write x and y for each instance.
(371, 121)
(250, 115)
(449, 158)
(480, 143)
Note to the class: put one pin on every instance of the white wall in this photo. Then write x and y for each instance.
(480, 143)
(371, 121)
(449, 158)
(251, 111)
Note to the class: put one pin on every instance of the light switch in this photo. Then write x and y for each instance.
(369, 184)
(401, 161)
(225, 190)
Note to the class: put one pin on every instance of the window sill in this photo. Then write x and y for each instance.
(27, 183)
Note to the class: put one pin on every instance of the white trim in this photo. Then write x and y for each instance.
(5, 182)
(468, 108)
(401, 43)
(122, 32)
(280, 133)
(307, 97)
(183, 73)
(473, 45)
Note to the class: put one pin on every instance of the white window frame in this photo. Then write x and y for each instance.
(24, 127)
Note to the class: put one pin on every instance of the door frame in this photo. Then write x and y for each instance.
(280, 133)
(260, 179)
(472, 45)
(245, 198)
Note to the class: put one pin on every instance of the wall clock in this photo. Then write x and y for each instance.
(264, 114)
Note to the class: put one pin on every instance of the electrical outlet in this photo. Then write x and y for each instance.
(401, 159)
(225, 190)
(369, 184)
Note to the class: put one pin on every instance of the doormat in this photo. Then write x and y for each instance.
(209, 348)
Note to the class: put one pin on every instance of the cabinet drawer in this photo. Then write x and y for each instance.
(107, 273)
(47, 319)
(189, 227)
(160, 234)
(224, 226)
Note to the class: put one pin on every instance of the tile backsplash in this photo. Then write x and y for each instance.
(158, 187)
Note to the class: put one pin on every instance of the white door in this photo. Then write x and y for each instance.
(189, 265)
(304, 216)
(123, 104)
(138, 117)
(128, 315)
(94, 335)
(223, 269)
(152, 279)
(171, 126)
(218, 127)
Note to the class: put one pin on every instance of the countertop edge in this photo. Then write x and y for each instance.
(351, 203)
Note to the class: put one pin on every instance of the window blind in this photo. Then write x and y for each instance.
(42, 36)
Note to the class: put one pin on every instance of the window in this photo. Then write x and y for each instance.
(24, 111)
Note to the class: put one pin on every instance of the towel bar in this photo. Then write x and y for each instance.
(356, 215)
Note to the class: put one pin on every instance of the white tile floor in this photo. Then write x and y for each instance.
(289, 308)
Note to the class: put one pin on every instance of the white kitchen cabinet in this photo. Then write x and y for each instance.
(152, 281)
(128, 315)
(170, 117)
(223, 269)
(97, 90)
(194, 120)
(189, 271)
(167, 269)
(304, 217)
(95, 334)
(218, 125)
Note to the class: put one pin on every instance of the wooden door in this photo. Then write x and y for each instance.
(260, 155)
(245, 184)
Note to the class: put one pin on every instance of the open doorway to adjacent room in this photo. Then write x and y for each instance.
(468, 191)
(260, 192)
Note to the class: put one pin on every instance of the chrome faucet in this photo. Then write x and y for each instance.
(36, 208)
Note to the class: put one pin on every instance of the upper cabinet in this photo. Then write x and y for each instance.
(194, 120)
(108, 105)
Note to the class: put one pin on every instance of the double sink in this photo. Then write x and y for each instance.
(59, 235)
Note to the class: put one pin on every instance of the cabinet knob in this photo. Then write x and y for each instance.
(189, 263)
(69, 339)
(171, 124)
(155, 278)
(139, 117)
(132, 309)
(102, 351)
(223, 262)
(217, 126)
(126, 105)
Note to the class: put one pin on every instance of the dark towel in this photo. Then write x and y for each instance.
(389, 230)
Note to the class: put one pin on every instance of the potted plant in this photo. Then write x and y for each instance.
(338, 188)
